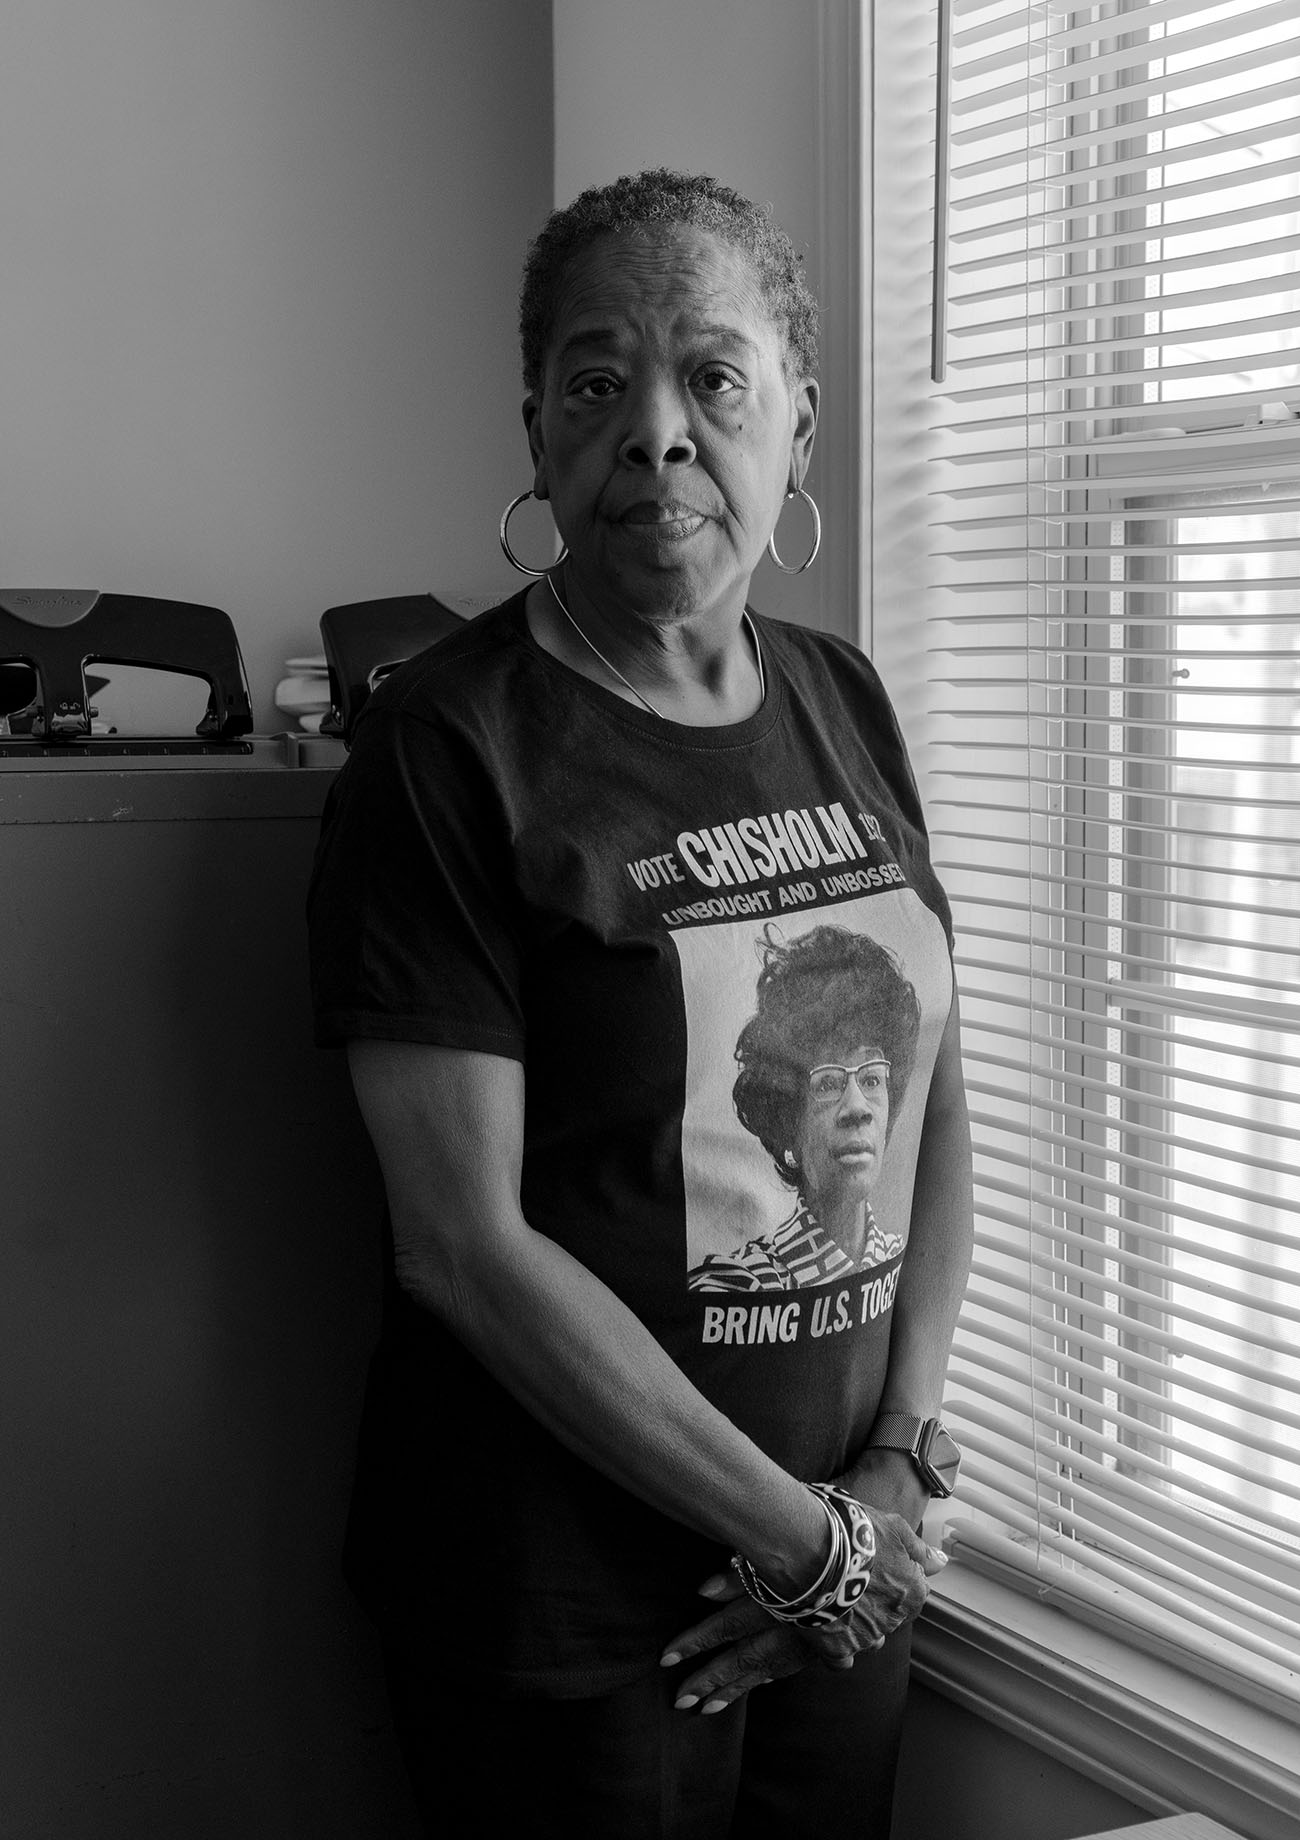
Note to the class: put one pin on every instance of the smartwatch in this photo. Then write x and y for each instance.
(927, 1442)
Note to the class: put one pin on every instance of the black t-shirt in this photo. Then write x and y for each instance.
(669, 926)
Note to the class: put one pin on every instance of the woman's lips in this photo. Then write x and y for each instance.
(662, 523)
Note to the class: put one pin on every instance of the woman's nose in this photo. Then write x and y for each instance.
(658, 431)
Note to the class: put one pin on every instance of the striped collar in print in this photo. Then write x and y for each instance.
(798, 1254)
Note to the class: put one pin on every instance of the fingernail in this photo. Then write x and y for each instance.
(714, 1705)
(711, 1587)
(940, 1558)
(670, 1659)
(686, 1701)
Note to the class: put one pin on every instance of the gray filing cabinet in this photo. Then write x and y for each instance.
(188, 1235)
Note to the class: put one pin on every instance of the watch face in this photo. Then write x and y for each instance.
(940, 1458)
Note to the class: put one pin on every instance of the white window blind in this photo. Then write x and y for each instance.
(1115, 685)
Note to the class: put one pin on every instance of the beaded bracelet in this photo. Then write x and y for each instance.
(844, 1577)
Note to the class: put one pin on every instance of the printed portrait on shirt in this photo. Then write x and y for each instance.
(804, 1037)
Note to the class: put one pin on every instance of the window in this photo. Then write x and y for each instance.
(1115, 800)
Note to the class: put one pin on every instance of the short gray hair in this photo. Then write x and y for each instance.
(665, 199)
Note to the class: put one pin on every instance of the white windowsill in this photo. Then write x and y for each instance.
(1141, 1726)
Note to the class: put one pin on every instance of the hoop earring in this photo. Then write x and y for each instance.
(817, 535)
(510, 555)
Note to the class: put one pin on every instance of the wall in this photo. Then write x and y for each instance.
(960, 1778)
(730, 89)
(261, 260)
(740, 89)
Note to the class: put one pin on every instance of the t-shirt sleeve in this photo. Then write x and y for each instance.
(413, 913)
(896, 767)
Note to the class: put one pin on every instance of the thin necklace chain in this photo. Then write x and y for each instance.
(615, 672)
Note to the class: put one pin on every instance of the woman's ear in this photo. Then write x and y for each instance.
(532, 411)
(807, 401)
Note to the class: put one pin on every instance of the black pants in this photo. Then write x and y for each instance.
(811, 1755)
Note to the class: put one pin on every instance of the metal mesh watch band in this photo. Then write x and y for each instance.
(927, 1441)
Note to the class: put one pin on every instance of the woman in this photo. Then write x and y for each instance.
(517, 933)
(822, 1102)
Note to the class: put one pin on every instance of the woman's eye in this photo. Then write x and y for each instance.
(715, 382)
(593, 389)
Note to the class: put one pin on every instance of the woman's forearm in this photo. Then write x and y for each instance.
(585, 1366)
(447, 1129)
(935, 1268)
(937, 1263)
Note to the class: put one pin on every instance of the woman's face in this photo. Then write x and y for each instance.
(842, 1136)
(667, 432)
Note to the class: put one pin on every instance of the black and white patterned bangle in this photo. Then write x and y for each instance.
(844, 1578)
(861, 1538)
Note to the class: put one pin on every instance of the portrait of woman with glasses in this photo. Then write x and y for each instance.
(824, 1065)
